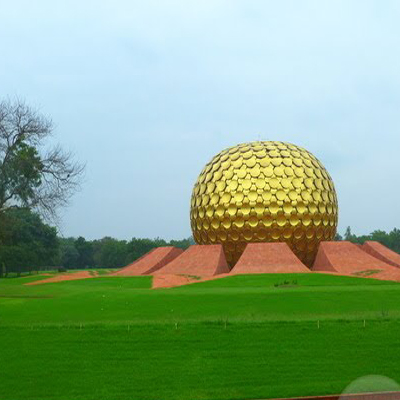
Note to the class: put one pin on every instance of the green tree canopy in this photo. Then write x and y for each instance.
(26, 242)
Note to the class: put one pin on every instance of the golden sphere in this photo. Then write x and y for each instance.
(264, 192)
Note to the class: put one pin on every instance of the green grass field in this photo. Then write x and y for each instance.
(239, 337)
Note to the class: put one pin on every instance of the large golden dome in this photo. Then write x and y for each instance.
(264, 192)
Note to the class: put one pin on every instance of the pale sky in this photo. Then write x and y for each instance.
(147, 92)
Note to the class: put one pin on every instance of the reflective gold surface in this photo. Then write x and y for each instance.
(264, 192)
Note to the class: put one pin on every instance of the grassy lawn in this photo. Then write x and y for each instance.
(239, 337)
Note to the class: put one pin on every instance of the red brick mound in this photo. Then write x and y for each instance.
(261, 258)
(381, 252)
(65, 277)
(348, 259)
(151, 261)
(198, 260)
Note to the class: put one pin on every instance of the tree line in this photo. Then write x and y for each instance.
(28, 244)
(109, 252)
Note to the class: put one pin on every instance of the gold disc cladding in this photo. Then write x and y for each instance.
(264, 191)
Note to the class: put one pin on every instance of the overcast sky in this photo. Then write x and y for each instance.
(146, 92)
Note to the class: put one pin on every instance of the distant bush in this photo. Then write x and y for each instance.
(62, 269)
(286, 283)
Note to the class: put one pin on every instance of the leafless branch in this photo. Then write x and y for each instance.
(53, 178)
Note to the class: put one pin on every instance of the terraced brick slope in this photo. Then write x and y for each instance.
(151, 261)
(262, 258)
(348, 259)
(383, 253)
(198, 260)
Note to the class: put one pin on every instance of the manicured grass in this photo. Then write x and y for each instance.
(252, 336)
(262, 280)
(115, 300)
(19, 281)
(195, 361)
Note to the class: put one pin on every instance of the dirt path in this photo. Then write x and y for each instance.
(172, 280)
(66, 277)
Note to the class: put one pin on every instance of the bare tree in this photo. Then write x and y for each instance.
(31, 175)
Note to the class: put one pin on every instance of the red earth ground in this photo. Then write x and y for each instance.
(359, 396)
(66, 277)
(172, 280)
